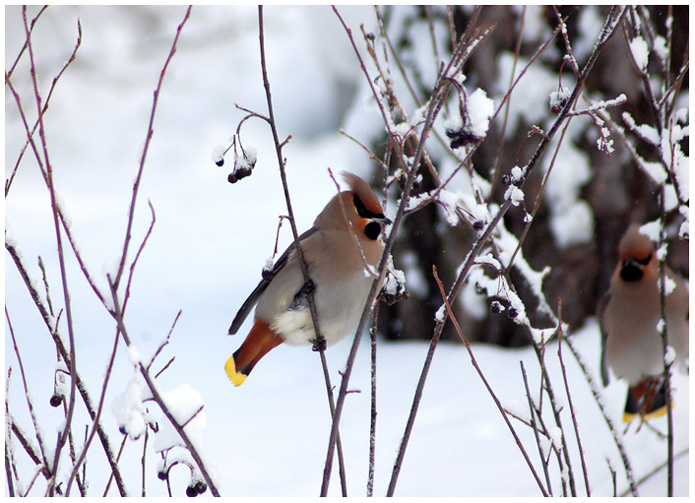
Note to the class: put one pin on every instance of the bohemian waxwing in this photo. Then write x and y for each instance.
(629, 314)
(345, 236)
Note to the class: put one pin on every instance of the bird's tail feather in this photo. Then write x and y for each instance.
(646, 399)
(260, 340)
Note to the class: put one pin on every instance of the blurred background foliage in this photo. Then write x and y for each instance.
(612, 186)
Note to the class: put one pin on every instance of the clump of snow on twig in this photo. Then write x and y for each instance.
(217, 154)
(645, 131)
(652, 230)
(640, 52)
(515, 195)
(558, 99)
(475, 122)
(451, 201)
(247, 160)
(480, 108)
(669, 354)
(186, 405)
(440, 314)
(129, 410)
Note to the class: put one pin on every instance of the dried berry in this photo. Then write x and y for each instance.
(220, 161)
(512, 312)
(162, 474)
(191, 492)
(238, 173)
(200, 487)
(56, 400)
(461, 137)
(478, 225)
(496, 307)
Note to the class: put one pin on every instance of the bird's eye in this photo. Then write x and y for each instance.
(644, 261)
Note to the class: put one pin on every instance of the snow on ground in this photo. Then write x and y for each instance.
(210, 242)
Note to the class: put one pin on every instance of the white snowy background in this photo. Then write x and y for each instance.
(210, 241)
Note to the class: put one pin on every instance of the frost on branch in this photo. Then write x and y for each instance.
(243, 164)
(472, 123)
(186, 405)
(130, 411)
(640, 53)
(394, 288)
(515, 195)
(558, 99)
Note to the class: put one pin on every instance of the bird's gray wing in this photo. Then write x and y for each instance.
(268, 276)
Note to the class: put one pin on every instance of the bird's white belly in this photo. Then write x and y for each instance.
(339, 310)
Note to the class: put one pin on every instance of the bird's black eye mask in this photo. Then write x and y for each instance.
(644, 261)
(362, 209)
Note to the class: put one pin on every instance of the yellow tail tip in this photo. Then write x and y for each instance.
(660, 412)
(237, 378)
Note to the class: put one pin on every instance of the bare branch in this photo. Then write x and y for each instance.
(447, 304)
(157, 397)
(61, 258)
(569, 399)
(148, 139)
(52, 327)
(42, 450)
(320, 342)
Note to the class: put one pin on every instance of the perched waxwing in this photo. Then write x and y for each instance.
(630, 314)
(345, 236)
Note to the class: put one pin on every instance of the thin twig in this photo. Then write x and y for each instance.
(664, 341)
(534, 426)
(569, 399)
(95, 420)
(42, 451)
(26, 444)
(118, 458)
(10, 466)
(373, 414)
(319, 342)
(52, 328)
(157, 397)
(8, 470)
(142, 462)
(657, 469)
(137, 256)
(612, 21)
(62, 437)
(596, 393)
(464, 339)
(145, 150)
(163, 344)
(8, 75)
(644, 75)
(432, 111)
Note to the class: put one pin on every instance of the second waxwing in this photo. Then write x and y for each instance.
(630, 314)
(345, 238)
